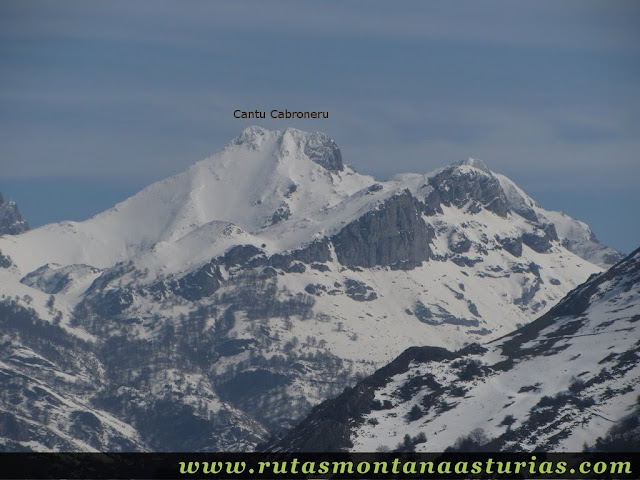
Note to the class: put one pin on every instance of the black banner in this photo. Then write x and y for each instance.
(319, 465)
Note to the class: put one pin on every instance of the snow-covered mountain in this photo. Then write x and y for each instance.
(233, 297)
(11, 221)
(559, 383)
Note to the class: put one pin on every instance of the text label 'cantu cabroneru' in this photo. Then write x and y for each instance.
(279, 114)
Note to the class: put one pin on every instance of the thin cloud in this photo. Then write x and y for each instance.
(569, 24)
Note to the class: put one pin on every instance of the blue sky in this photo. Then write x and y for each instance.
(98, 99)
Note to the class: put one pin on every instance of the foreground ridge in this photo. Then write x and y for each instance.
(508, 394)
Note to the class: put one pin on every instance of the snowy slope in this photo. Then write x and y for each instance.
(275, 275)
(245, 184)
(57, 400)
(575, 235)
(259, 179)
(558, 383)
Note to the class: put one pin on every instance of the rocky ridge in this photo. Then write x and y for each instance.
(11, 222)
(509, 394)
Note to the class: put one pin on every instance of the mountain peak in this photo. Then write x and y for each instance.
(474, 162)
(319, 147)
(252, 137)
(11, 221)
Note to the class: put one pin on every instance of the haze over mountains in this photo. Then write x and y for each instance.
(215, 308)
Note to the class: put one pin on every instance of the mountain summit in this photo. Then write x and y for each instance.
(259, 179)
(317, 146)
(260, 281)
(263, 180)
(474, 162)
(11, 221)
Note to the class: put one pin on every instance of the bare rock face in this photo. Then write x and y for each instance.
(536, 241)
(393, 235)
(11, 221)
(474, 188)
(324, 151)
(458, 242)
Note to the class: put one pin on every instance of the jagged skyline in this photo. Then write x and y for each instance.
(101, 99)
